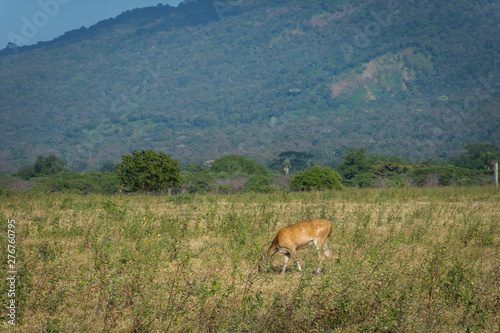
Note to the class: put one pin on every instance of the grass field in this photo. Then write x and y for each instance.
(408, 259)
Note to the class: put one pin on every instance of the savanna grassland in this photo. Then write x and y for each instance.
(409, 259)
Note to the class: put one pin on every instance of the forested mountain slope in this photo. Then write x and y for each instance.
(207, 79)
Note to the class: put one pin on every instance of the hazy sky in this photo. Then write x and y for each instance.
(26, 22)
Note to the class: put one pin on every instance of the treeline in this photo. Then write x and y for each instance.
(148, 171)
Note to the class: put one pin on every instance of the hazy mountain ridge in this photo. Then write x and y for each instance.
(203, 80)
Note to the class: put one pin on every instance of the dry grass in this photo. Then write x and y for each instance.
(407, 259)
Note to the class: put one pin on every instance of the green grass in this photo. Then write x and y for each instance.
(408, 259)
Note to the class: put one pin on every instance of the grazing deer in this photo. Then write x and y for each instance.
(300, 236)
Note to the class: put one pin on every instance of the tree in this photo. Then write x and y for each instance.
(473, 158)
(13, 46)
(356, 161)
(197, 178)
(286, 166)
(316, 178)
(489, 159)
(259, 183)
(389, 169)
(148, 171)
(44, 166)
(300, 160)
(108, 167)
(443, 176)
(234, 165)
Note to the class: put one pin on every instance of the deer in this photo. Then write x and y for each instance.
(299, 236)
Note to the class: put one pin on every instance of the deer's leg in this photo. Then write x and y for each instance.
(326, 251)
(298, 265)
(287, 257)
(318, 246)
(293, 255)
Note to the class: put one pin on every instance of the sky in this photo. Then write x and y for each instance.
(26, 22)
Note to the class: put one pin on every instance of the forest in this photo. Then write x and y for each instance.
(256, 78)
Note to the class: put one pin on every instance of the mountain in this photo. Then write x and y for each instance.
(207, 79)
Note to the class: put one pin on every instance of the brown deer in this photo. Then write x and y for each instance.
(300, 236)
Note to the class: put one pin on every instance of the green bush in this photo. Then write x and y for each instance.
(362, 180)
(148, 171)
(259, 183)
(235, 165)
(389, 169)
(197, 179)
(354, 162)
(224, 189)
(316, 178)
(96, 182)
(44, 166)
(5, 192)
(478, 156)
(388, 174)
(443, 176)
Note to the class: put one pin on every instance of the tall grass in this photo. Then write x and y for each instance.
(407, 259)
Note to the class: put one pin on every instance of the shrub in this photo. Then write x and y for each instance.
(197, 179)
(5, 192)
(354, 162)
(259, 183)
(316, 178)
(362, 180)
(389, 169)
(478, 156)
(234, 165)
(44, 166)
(96, 182)
(148, 171)
(442, 176)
